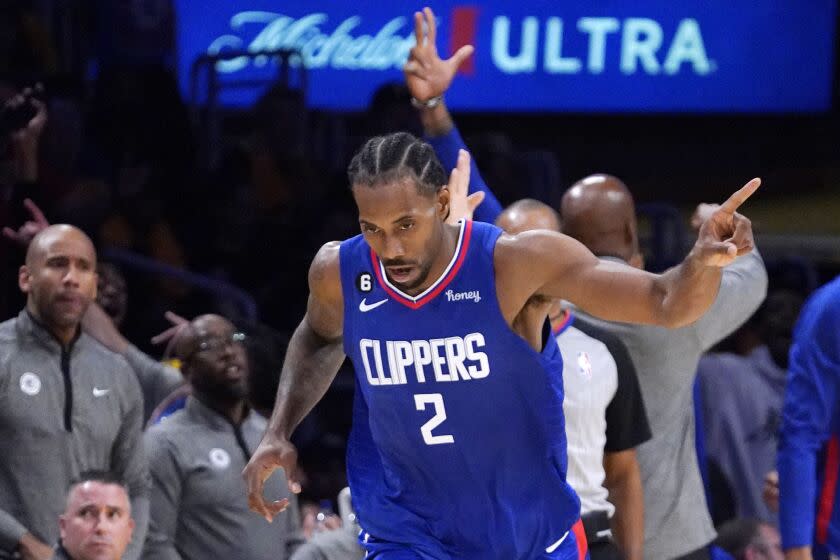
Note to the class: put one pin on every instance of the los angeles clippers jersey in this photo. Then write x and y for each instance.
(458, 443)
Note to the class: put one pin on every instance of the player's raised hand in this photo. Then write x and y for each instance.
(462, 205)
(32, 227)
(271, 454)
(426, 74)
(725, 234)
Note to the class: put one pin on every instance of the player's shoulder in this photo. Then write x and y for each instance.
(532, 242)
(325, 271)
(525, 252)
(326, 262)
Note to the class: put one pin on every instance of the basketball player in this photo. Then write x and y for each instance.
(457, 448)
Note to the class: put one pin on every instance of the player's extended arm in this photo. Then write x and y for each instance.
(314, 355)
(554, 265)
(624, 483)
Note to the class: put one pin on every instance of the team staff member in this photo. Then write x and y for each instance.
(97, 523)
(67, 404)
(199, 507)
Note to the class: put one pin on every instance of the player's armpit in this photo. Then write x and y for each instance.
(325, 308)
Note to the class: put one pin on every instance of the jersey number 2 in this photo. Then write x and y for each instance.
(435, 399)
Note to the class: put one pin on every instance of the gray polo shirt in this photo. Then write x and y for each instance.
(199, 504)
(677, 520)
(63, 413)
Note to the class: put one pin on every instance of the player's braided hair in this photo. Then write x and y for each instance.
(397, 156)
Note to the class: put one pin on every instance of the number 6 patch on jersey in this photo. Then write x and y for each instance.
(364, 282)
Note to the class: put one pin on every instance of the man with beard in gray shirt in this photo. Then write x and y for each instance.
(199, 505)
(599, 212)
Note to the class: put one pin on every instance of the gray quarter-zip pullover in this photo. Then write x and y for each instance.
(199, 502)
(63, 412)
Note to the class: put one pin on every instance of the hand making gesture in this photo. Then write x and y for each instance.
(32, 227)
(462, 205)
(426, 74)
(725, 234)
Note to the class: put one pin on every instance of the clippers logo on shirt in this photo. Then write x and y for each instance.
(30, 384)
(219, 458)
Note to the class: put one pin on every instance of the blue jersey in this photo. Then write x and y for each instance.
(458, 445)
(809, 446)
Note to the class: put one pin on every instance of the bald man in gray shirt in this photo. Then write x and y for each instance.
(599, 212)
(67, 404)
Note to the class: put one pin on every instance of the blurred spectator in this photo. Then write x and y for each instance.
(742, 399)
(25, 44)
(750, 539)
(18, 181)
(390, 110)
(266, 352)
(338, 544)
(97, 522)
(808, 515)
(280, 236)
(103, 320)
(71, 405)
(199, 506)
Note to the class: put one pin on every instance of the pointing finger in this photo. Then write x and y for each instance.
(740, 196)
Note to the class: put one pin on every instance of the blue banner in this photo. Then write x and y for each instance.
(582, 56)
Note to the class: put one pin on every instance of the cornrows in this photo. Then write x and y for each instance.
(394, 157)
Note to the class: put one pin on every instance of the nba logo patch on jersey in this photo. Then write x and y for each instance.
(584, 365)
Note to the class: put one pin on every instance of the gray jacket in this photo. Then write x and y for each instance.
(157, 380)
(676, 518)
(63, 413)
(199, 502)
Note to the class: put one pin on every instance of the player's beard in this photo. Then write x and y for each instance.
(422, 275)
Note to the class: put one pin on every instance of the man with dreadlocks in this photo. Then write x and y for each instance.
(457, 448)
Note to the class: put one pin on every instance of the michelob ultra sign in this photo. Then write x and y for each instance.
(571, 55)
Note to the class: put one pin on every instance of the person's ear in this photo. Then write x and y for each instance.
(442, 205)
(25, 279)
